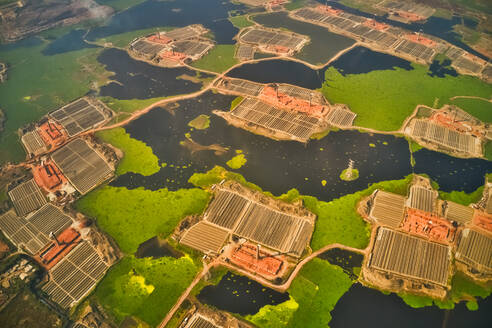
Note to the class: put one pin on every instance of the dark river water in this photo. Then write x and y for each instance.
(365, 307)
(323, 44)
(359, 60)
(239, 294)
(280, 166)
(153, 13)
(134, 79)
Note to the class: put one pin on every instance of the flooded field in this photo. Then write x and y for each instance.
(239, 294)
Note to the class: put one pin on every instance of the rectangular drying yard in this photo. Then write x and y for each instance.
(192, 48)
(147, 48)
(33, 233)
(298, 125)
(340, 116)
(459, 213)
(259, 223)
(272, 38)
(75, 275)
(27, 197)
(315, 97)
(33, 143)
(205, 237)
(240, 86)
(78, 116)
(197, 321)
(446, 137)
(467, 64)
(388, 209)
(422, 198)
(245, 52)
(415, 49)
(411, 257)
(475, 249)
(82, 165)
(182, 33)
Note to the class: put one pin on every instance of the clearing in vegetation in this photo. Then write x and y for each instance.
(219, 59)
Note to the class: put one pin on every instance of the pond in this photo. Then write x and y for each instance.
(347, 260)
(156, 248)
(362, 306)
(239, 294)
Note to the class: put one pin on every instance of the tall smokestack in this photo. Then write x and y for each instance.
(258, 252)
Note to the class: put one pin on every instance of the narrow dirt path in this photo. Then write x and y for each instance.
(280, 288)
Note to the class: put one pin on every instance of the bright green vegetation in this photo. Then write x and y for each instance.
(134, 216)
(338, 220)
(236, 102)
(462, 289)
(216, 175)
(38, 84)
(414, 147)
(123, 40)
(138, 157)
(145, 288)
(201, 122)
(314, 293)
(219, 59)
(295, 4)
(462, 197)
(275, 316)
(237, 161)
(25, 310)
(480, 108)
(240, 21)
(383, 99)
(355, 175)
(488, 150)
(129, 105)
